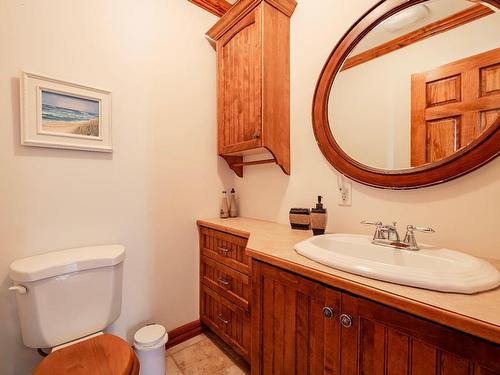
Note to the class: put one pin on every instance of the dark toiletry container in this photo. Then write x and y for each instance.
(300, 218)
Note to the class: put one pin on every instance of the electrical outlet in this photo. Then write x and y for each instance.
(345, 193)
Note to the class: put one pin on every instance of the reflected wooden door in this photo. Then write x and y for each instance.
(453, 105)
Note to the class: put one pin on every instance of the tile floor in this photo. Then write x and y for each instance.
(202, 356)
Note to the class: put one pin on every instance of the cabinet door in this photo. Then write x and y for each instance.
(295, 327)
(382, 340)
(239, 82)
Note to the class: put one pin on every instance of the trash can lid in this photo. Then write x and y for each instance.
(150, 335)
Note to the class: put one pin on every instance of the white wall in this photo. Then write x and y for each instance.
(465, 212)
(375, 109)
(163, 174)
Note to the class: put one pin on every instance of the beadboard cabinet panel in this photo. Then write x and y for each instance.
(294, 328)
(228, 321)
(231, 284)
(292, 332)
(224, 248)
(239, 70)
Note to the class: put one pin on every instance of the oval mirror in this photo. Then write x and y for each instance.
(410, 96)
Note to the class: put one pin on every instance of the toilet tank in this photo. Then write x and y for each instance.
(70, 293)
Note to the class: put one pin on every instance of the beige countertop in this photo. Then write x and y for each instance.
(477, 314)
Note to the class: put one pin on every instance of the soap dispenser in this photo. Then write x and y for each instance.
(318, 218)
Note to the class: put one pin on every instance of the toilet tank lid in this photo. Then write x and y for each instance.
(61, 262)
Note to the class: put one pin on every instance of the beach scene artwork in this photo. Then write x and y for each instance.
(69, 115)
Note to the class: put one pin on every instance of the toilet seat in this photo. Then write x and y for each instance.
(102, 355)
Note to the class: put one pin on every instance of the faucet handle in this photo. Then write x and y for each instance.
(411, 228)
(379, 231)
(376, 223)
(410, 235)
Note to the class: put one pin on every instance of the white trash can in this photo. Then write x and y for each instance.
(149, 344)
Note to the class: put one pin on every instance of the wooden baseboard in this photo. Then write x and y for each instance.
(183, 333)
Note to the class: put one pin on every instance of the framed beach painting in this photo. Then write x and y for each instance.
(60, 114)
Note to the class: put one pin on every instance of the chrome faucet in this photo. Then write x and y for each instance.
(387, 235)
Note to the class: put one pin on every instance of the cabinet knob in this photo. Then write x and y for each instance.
(328, 312)
(255, 135)
(346, 320)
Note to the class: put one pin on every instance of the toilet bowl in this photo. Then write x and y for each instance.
(63, 299)
(101, 355)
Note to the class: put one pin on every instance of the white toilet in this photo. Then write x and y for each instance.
(65, 299)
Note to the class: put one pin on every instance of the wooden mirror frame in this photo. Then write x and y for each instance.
(479, 152)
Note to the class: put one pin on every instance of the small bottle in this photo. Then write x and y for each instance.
(318, 218)
(233, 209)
(224, 208)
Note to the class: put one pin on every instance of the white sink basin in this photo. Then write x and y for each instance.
(430, 268)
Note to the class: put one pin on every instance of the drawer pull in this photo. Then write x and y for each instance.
(223, 282)
(222, 319)
(223, 250)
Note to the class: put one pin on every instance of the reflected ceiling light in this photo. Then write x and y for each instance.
(405, 18)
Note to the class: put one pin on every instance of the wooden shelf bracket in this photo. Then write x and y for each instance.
(236, 163)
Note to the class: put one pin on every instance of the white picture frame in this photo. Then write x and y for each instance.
(60, 114)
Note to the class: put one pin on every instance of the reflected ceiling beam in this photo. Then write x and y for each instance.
(217, 7)
(455, 20)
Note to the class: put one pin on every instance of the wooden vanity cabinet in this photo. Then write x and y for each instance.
(225, 288)
(300, 326)
(253, 82)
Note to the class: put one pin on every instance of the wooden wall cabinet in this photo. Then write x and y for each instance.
(253, 82)
(300, 326)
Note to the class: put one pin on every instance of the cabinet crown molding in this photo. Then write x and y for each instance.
(241, 9)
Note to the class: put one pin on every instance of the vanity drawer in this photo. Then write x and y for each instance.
(224, 248)
(230, 322)
(233, 285)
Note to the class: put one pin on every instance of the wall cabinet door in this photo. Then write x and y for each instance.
(295, 326)
(293, 334)
(239, 70)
